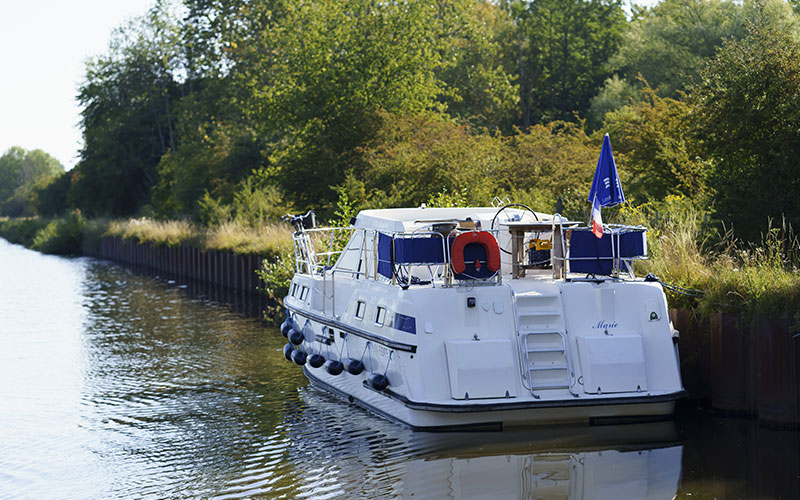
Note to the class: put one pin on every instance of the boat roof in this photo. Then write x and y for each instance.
(397, 220)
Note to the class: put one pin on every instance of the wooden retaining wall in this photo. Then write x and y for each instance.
(225, 271)
(738, 367)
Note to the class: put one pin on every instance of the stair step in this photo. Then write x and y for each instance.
(547, 368)
(523, 333)
(544, 387)
(545, 349)
(539, 313)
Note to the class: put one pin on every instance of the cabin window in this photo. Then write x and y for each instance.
(294, 289)
(380, 316)
(304, 293)
(361, 307)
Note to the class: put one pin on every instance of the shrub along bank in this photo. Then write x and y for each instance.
(73, 234)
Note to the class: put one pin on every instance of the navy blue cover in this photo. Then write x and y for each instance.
(385, 267)
(631, 244)
(418, 250)
(584, 243)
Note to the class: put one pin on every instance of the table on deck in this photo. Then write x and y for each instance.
(518, 230)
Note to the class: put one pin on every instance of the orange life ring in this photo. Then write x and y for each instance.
(483, 238)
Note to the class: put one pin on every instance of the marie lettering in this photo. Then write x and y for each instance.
(603, 325)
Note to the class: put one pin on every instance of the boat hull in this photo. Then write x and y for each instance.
(493, 416)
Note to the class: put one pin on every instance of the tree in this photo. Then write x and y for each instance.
(478, 87)
(329, 68)
(562, 49)
(655, 135)
(221, 134)
(668, 44)
(747, 104)
(128, 116)
(21, 172)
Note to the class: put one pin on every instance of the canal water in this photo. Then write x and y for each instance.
(115, 385)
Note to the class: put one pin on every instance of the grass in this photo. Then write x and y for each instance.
(167, 233)
(72, 234)
(268, 239)
(753, 280)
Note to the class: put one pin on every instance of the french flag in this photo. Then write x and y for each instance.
(597, 219)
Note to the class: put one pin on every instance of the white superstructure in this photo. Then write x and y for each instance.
(480, 317)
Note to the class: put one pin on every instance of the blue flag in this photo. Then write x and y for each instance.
(606, 189)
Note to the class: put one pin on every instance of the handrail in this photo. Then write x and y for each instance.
(310, 261)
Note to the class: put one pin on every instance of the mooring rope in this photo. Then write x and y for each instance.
(675, 288)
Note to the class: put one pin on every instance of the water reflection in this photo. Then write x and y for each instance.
(118, 385)
(336, 450)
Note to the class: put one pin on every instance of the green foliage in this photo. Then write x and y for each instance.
(210, 163)
(128, 117)
(668, 43)
(747, 105)
(615, 94)
(562, 48)
(21, 174)
(61, 236)
(277, 276)
(479, 90)
(333, 66)
(446, 199)
(50, 196)
(755, 280)
(21, 231)
(254, 202)
(211, 211)
(414, 157)
(548, 162)
(654, 135)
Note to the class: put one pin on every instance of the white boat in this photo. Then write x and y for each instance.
(447, 318)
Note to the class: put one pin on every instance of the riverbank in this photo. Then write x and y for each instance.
(73, 234)
(230, 255)
(738, 350)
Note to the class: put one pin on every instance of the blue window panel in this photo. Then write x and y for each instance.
(405, 323)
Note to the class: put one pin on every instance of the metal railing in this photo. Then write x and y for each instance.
(306, 257)
(619, 264)
(309, 260)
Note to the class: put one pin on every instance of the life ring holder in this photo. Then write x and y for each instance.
(483, 238)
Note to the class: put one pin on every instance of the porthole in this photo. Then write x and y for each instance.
(380, 316)
(361, 307)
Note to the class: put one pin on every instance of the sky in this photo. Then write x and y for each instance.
(44, 45)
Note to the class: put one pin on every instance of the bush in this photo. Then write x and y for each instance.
(21, 231)
(61, 236)
(750, 279)
(276, 275)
